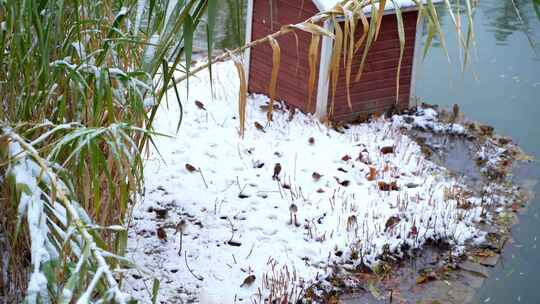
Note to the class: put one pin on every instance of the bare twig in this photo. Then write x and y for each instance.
(200, 278)
(205, 184)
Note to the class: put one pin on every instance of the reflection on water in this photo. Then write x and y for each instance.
(504, 19)
(500, 87)
(230, 29)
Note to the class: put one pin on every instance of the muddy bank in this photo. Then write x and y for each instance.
(489, 166)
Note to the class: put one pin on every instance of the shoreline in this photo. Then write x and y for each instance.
(434, 276)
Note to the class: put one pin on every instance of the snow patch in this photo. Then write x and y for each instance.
(238, 221)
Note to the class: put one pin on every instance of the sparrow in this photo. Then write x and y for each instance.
(259, 127)
(190, 168)
(311, 141)
(248, 280)
(291, 114)
(316, 176)
(372, 174)
(387, 150)
(265, 107)
(391, 222)
(200, 105)
(344, 183)
(162, 235)
(293, 209)
(277, 170)
(346, 157)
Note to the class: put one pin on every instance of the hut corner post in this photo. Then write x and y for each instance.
(413, 100)
(249, 29)
(321, 106)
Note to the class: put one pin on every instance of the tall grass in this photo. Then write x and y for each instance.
(78, 97)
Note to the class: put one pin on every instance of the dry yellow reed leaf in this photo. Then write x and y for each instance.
(242, 94)
(380, 14)
(365, 25)
(350, 19)
(312, 28)
(369, 40)
(276, 57)
(312, 57)
(401, 34)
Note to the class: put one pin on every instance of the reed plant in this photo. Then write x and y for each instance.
(78, 98)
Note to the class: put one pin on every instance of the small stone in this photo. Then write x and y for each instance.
(474, 268)
(490, 261)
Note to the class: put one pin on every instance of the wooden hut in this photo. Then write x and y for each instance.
(375, 92)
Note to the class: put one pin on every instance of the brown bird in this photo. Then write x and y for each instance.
(162, 235)
(293, 209)
(391, 222)
(311, 141)
(259, 127)
(316, 176)
(277, 170)
(190, 168)
(180, 229)
(248, 280)
(346, 157)
(265, 107)
(387, 150)
(200, 105)
(344, 183)
(372, 174)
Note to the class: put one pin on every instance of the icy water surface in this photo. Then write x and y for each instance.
(501, 88)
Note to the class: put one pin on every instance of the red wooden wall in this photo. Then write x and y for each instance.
(375, 92)
(292, 85)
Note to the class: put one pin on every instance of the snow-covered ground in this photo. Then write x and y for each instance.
(376, 192)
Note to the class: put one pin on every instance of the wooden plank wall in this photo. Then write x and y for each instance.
(292, 85)
(376, 90)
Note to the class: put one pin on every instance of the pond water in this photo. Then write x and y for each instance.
(501, 87)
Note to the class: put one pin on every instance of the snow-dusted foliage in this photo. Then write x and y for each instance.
(61, 232)
(77, 100)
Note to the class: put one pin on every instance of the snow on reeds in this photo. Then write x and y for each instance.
(76, 96)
